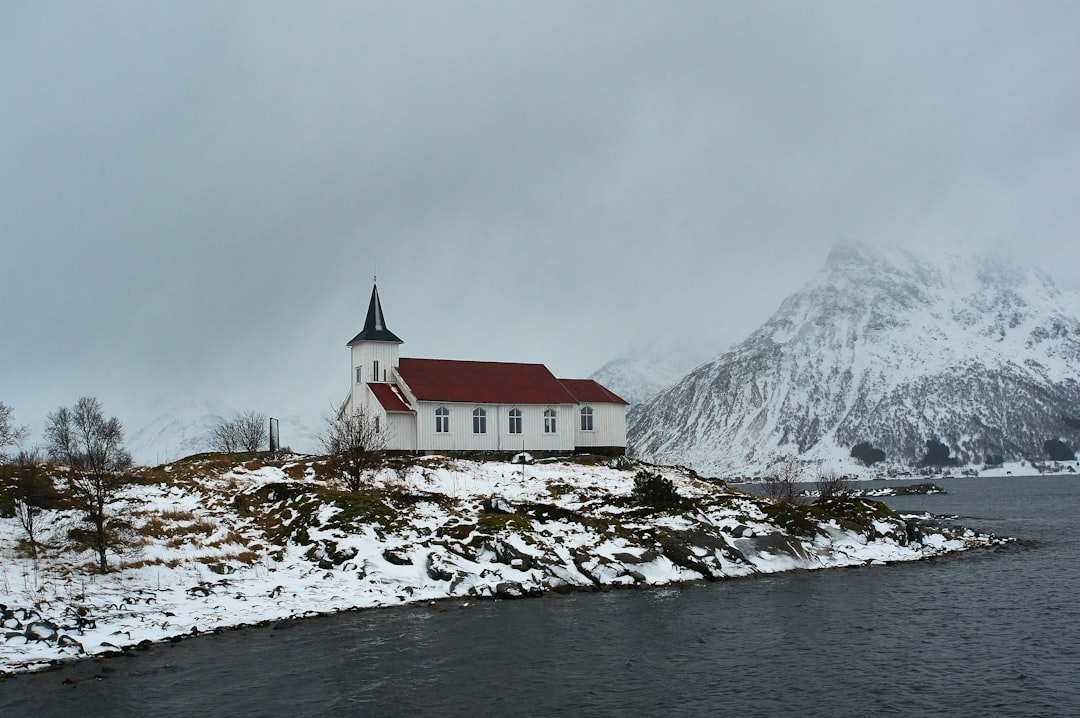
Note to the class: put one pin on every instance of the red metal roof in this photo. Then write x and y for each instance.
(590, 391)
(482, 382)
(390, 396)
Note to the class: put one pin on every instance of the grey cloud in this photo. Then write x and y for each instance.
(195, 196)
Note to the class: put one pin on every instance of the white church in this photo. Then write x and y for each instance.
(447, 406)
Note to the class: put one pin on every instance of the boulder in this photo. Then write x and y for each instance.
(498, 505)
(219, 568)
(438, 569)
(683, 555)
(398, 558)
(779, 543)
(647, 556)
(41, 631)
(581, 563)
(510, 589)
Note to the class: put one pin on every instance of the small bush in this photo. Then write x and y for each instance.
(781, 484)
(830, 484)
(652, 489)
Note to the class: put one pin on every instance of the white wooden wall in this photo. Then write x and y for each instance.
(609, 426)
(402, 431)
(364, 355)
(498, 436)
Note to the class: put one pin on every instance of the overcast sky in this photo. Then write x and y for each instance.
(194, 195)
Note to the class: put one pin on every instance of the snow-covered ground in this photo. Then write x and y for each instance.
(214, 544)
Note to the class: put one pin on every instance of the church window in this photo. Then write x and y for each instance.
(479, 421)
(442, 420)
(359, 374)
(586, 418)
(375, 373)
(515, 421)
(549, 421)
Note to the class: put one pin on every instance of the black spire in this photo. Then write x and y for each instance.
(375, 326)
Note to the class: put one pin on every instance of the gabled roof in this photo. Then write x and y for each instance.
(390, 397)
(375, 326)
(482, 382)
(588, 391)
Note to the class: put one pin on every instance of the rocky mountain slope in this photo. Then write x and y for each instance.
(885, 347)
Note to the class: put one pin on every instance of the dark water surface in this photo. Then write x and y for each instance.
(989, 633)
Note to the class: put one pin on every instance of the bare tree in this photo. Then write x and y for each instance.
(92, 447)
(830, 484)
(782, 479)
(244, 432)
(357, 440)
(222, 437)
(33, 493)
(10, 435)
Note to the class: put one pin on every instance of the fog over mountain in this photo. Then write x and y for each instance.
(886, 347)
(649, 367)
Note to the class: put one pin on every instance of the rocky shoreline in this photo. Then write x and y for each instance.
(216, 545)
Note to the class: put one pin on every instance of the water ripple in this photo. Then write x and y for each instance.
(989, 633)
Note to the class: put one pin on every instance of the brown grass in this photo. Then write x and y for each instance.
(245, 557)
(174, 526)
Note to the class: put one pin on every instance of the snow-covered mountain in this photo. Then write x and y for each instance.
(169, 430)
(885, 347)
(650, 367)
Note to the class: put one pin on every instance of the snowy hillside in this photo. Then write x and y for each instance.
(214, 544)
(890, 348)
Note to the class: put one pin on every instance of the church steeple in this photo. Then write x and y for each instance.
(375, 325)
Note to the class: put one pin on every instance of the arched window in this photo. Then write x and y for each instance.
(515, 421)
(586, 418)
(549, 421)
(442, 420)
(479, 421)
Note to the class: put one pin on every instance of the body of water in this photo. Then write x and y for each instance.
(992, 632)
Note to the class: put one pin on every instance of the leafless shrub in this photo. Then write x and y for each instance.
(782, 479)
(830, 484)
(244, 432)
(33, 492)
(358, 442)
(92, 447)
